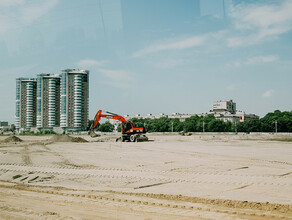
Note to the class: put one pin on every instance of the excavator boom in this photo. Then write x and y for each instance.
(111, 116)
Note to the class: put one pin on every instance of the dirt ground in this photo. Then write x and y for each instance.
(203, 176)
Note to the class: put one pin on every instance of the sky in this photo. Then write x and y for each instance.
(149, 56)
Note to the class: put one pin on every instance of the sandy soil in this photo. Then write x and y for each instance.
(203, 176)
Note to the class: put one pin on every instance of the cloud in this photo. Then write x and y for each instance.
(9, 3)
(257, 23)
(115, 78)
(262, 59)
(251, 24)
(173, 45)
(116, 75)
(88, 63)
(168, 63)
(20, 13)
(254, 60)
(31, 12)
(268, 94)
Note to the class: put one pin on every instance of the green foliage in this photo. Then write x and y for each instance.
(195, 124)
(268, 123)
(192, 124)
(106, 127)
(211, 124)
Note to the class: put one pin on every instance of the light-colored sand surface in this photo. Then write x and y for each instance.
(203, 176)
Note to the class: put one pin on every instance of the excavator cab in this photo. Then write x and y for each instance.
(127, 127)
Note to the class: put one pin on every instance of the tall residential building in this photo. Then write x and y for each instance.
(48, 100)
(25, 116)
(74, 98)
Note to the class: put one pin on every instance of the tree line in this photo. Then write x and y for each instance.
(277, 120)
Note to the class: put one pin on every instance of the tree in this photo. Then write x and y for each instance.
(216, 126)
(106, 127)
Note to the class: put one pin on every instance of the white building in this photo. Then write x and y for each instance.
(48, 100)
(224, 106)
(74, 99)
(226, 111)
(25, 115)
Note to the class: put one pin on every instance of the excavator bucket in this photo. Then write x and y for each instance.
(142, 138)
(93, 135)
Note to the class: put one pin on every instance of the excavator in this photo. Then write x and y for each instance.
(129, 132)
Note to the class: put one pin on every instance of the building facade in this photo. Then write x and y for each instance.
(3, 123)
(48, 100)
(74, 99)
(226, 111)
(25, 116)
(224, 106)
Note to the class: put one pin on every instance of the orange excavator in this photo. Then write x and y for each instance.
(129, 132)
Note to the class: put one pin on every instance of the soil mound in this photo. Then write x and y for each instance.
(67, 138)
(12, 139)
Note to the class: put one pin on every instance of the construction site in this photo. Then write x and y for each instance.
(202, 176)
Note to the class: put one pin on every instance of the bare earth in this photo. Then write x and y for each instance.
(203, 176)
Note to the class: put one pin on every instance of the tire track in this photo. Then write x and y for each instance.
(215, 178)
(183, 203)
(25, 155)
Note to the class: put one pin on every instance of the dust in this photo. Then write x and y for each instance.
(66, 138)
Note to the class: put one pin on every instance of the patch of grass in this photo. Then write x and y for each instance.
(282, 139)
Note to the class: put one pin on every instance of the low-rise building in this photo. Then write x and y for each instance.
(224, 106)
(226, 111)
(3, 123)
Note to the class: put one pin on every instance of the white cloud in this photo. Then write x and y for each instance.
(254, 60)
(167, 63)
(9, 3)
(268, 94)
(20, 13)
(88, 63)
(115, 78)
(116, 75)
(256, 23)
(31, 12)
(251, 24)
(173, 45)
(262, 59)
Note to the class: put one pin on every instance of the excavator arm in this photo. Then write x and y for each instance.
(111, 116)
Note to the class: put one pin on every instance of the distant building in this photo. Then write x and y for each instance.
(3, 123)
(48, 100)
(243, 116)
(226, 111)
(224, 106)
(74, 99)
(25, 116)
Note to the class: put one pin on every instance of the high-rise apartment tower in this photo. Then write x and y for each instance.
(25, 116)
(48, 100)
(74, 98)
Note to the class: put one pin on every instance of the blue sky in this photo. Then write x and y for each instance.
(152, 56)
